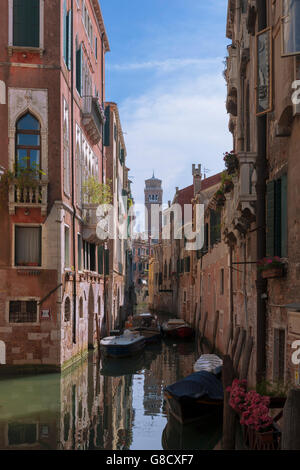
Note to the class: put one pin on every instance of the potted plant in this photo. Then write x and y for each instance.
(97, 193)
(227, 183)
(220, 198)
(231, 162)
(23, 177)
(271, 267)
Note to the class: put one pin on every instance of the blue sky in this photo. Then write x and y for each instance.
(165, 72)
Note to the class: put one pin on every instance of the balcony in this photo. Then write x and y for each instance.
(239, 209)
(28, 197)
(90, 221)
(92, 118)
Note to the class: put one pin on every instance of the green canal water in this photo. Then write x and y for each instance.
(104, 404)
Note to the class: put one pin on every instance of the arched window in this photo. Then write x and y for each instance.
(28, 143)
(67, 309)
(81, 307)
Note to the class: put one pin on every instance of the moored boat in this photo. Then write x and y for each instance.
(147, 325)
(177, 328)
(209, 362)
(194, 396)
(121, 346)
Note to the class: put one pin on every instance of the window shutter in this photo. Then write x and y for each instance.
(107, 127)
(65, 32)
(106, 255)
(26, 23)
(70, 39)
(284, 227)
(96, 47)
(79, 70)
(100, 259)
(270, 219)
(277, 219)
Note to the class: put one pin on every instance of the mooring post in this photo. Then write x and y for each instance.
(229, 417)
(291, 421)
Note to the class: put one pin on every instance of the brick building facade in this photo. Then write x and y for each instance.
(53, 267)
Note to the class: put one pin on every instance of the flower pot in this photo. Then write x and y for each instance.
(266, 440)
(272, 273)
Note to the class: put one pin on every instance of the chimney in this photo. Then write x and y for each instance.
(196, 178)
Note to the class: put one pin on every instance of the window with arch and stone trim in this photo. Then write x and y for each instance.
(67, 310)
(81, 308)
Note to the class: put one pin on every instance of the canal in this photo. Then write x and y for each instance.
(104, 404)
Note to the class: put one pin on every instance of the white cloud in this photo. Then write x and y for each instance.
(174, 125)
(168, 65)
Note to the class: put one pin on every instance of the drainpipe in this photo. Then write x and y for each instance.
(261, 168)
(73, 182)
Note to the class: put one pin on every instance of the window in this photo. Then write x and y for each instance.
(222, 282)
(79, 251)
(28, 143)
(276, 217)
(215, 227)
(106, 262)
(100, 260)
(67, 35)
(22, 311)
(81, 307)
(27, 246)
(19, 434)
(96, 47)
(67, 247)
(92, 257)
(79, 57)
(187, 263)
(290, 27)
(67, 309)
(26, 23)
(279, 355)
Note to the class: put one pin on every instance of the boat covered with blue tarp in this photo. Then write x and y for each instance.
(194, 396)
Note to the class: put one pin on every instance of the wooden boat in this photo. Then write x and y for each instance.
(147, 325)
(194, 396)
(122, 346)
(177, 328)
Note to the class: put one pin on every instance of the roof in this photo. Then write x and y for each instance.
(211, 181)
(185, 195)
(99, 16)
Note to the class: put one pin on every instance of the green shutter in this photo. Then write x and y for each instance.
(107, 127)
(284, 227)
(79, 70)
(106, 257)
(215, 227)
(70, 39)
(277, 219)
(100, 260)
(26, 23)
(270, 217)
(65, 32)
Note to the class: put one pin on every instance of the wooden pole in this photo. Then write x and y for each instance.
(246, 358)
(235, 341)
(239, 349)
(291, 421)
(229, 418)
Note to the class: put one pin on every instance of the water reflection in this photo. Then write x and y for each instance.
(102, 405)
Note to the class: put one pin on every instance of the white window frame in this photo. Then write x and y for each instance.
(11, 46)
(13, 251)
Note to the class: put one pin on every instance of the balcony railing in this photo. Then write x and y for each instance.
(28, 197)
(92, 118)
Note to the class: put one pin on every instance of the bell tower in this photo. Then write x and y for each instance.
(153, 196)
